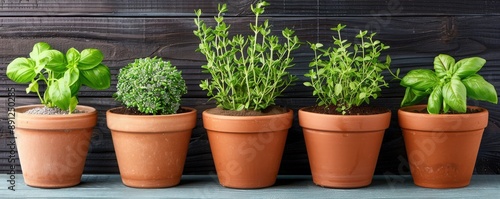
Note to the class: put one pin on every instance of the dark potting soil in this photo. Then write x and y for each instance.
(50, 111)
(134, 111)
(355, 110)
(272, 110)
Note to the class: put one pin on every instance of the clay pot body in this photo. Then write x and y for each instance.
(247, 150)
(442, 149)
(343, 149)
(53, 148)
(151, 149)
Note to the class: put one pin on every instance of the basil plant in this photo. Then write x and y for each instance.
(63, 74)
(448, 85)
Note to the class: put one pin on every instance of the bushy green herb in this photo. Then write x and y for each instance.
(150, 85)
(247, 72)
(449, 85)
(62, 73)
(347, 74)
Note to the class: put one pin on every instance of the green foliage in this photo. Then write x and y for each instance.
(62, 73)
(449, 85)
(150, 85)
(347, 74)
(247, 72)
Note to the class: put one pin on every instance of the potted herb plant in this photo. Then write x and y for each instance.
(343, 135)
(53, 138)
(246, 131)
(151, 133)
(442, 138)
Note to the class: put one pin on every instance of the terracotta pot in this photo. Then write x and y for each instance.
(442, 149)
(247, 150)
(343, 149)
(53, 148)
(151, 149)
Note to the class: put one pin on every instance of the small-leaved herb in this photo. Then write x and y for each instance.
(347, 74)
(150, 85)
(448, 85)
(247, 72)
(63, 74)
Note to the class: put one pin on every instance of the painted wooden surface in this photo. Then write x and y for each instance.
(294, 186)
(124, 30)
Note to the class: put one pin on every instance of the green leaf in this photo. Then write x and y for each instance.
(90, 58)
(455, 95)
(72, 104)
(479, 89)
(55, 60)
(420, 79)
(32, 87)
(308, 84)
(60, 94)
(97, 78)
(38, 48)
(73, 56)
(442, 64)
(338, 89)
(71, 76)
(75, 88)
(21, 70)
(435, 101)
(412, 97)
(469, 66)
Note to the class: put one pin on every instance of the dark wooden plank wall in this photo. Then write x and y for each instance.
(124, 30)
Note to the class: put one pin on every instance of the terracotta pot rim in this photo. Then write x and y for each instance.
(155, 116)
(332, 115)
(458, 122)
(421, 106)
(151, 123)
(22, 109)
(344, 123)
(239, 117)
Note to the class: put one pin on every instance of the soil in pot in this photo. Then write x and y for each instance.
(343, 149)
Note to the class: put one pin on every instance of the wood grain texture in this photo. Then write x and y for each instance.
(124, 30)
(154, 8)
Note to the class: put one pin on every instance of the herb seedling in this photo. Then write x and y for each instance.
(247, 72)
(347, 74)
(448, 85)
(62, 73)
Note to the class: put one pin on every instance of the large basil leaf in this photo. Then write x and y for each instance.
(97, 78)
(455, 95)
(469, 66)
(442, 64)
(479, 89)
(435, 101)
(21, 70)
(412, 97)
(420, 79)
(90, 58)
(60, 94)
(53, 60)
(71, 76)
(38, 48)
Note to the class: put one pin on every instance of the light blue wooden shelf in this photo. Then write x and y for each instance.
(207, 186)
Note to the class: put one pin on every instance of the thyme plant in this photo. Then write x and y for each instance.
(150, 85)
(248, 72)
(347, 74)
